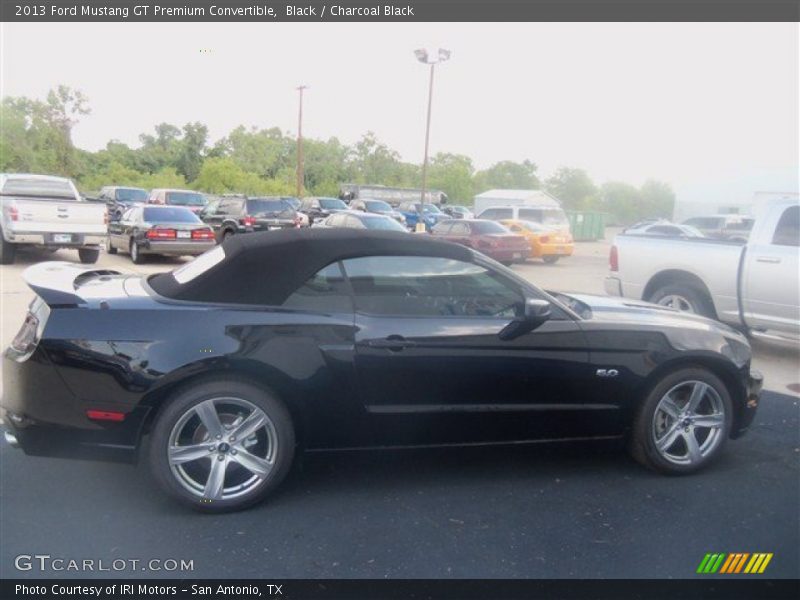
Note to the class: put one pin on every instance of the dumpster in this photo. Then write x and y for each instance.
(587, 226)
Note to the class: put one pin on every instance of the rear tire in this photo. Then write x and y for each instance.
(685, 298)
(8, 251)
(550, 259)
(88, 256)
(136, 256)
(226, 234)
(666, 423)
(218, 472)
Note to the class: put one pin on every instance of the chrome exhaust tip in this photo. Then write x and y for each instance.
(11, 439)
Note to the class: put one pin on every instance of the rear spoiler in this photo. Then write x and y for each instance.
(57, 282)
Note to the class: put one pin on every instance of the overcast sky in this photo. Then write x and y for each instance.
(710, 108)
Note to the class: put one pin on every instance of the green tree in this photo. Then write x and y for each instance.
(621, 200)
(191, 150)
(574, 188)
(452, 174)
(220, 175)
(508, 175)
(657, 200)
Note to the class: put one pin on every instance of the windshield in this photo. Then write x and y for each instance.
(429, 208)
(51, 188)
(185, 199)
(488, 227)
(378, 206)
(267, 205)
(170, 215)
(293, 202)
(384, 223)
(534, 227)
(332, 204)
(130, 195)
(547, 216)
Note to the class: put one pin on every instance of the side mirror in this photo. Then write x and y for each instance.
(535, 313)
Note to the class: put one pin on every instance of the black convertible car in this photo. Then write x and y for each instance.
(217, 373)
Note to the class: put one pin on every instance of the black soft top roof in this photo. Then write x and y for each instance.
(265, 268)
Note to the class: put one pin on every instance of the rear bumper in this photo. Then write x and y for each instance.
(46, 238)
(613, 286)
(753, 385)
(44, 418)
(176, 248)
(565, 249)
(508, 254)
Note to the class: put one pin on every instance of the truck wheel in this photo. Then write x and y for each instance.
(683, 423)
(7, 251)
(222, 445)
(685, 298)
(88, 256)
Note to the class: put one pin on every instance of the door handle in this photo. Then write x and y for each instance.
(768, 259)
(393, 342)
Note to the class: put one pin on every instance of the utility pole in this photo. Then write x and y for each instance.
(300, 144)
(432, 59)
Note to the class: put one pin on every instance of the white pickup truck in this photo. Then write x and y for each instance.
(752, 286)
(46, 211)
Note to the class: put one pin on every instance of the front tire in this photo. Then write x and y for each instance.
(222, 445)
(683, 423)
(88, 256)
(685, 298)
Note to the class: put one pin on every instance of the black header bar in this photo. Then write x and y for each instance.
(399, 11)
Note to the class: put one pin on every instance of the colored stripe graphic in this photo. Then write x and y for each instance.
(703, 563)
(741, 562)
(737, 562)
(727, 564)
(714, 567)
(764, 564)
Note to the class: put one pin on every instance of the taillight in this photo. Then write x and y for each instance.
(12, 212)
(298, 221)
(161, 234)
(105, 415)
(544, 239)
(25, 340)
(248, 221)
(613, 259)
(202, 234)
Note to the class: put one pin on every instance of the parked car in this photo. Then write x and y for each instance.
(194, 201)
(753, 286)
(304, 220)
(354, 219)
(240, 214)
(378, 207)
(457, 212)
(546, 243)
(489, 237)
(320, 208)
(351, 339)
(118, 199)
(664, 228)
(166, 230)
(549, 216)
(728, 227)
(48, 212)
(431, 216)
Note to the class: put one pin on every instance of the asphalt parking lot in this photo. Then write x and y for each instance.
(522, 511)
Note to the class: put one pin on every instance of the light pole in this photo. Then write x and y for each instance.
(428, 58)
(300, 144)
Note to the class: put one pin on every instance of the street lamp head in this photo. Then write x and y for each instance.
(432, 57)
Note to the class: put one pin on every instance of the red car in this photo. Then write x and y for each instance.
(489, 237)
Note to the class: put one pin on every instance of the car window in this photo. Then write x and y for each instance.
(787, 233)
(664, 230)
(487, 227)
(421, 286)
(326, 291)
(170, 215)
(211, 208)
(39, 187)
(128, 215)
(460, 229)
(353, 222)
(442, 228)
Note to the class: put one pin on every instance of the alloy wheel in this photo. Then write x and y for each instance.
(688, 423)
(677, 302)
(222, 448)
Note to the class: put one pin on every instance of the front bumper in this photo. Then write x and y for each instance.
(46, 238)
(753, 386)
